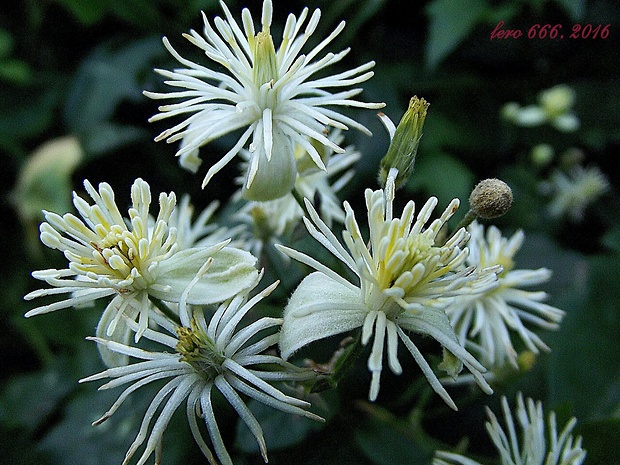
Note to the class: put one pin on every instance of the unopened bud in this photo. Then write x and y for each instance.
(490, 198)
(404, 146)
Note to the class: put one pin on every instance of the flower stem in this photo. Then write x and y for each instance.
(162, 307)
(300, 201)
(469, 217)
(344, 360)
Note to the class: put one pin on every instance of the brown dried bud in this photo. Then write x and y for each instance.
(490, 198)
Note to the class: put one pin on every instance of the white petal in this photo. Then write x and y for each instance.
(231, 272)
(272, 173)
(320, 307)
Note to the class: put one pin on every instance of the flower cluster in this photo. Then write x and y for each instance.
(554, 107)
(405, 280)
(188, 288)
(572, 192)
(135, 259)
(205, 356)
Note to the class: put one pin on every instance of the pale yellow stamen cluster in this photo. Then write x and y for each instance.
(104, 248)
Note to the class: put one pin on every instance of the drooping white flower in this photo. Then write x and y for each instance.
(487, 321)
(405, 280)
(133, 259)
(197, 358)
(572, 192)
(268, 222)
(531, 447)
(268, 94)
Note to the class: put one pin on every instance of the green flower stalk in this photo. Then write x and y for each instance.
(405, 139)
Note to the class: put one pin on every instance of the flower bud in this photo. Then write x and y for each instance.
(490, 198)
(404, 145)
(271, 179)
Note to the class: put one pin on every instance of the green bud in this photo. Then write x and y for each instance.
(404, 146)
(451, 364)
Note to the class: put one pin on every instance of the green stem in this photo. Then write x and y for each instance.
(341, 366)
(300, 201)
(162, 307)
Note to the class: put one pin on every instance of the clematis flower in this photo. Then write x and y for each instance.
(267, 93)
(404, 280)
(531, 447)
(133, 260)
(573, 191)
(198, 357)
(486, 322)
(554, 107)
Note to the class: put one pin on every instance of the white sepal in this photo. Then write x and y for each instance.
(320, 307)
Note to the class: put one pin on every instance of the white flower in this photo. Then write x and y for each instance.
(485, 321)
(271, 220)
(199, 357)
(554, 107)
(572, 192)
(267, 93)
(133, 260)
(532, 447)
(405, 281)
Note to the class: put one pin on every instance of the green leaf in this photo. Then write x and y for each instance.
(106, 137)
(279, 428)
(14, 71)
(29, 399)
(612, 239)
(6, 43)
(450, 24)
(599, 438)
(86, 11)
(584, 364)
(73, 440)
(388, 440)
(106, 78)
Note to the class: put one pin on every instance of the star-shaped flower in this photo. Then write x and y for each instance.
(267, 93)
(405, 278)
(531, 447)
(133, 260)
(198, 357)
(486, 321)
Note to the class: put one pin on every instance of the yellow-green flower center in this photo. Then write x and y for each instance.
(199, 351)
(404, 264)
